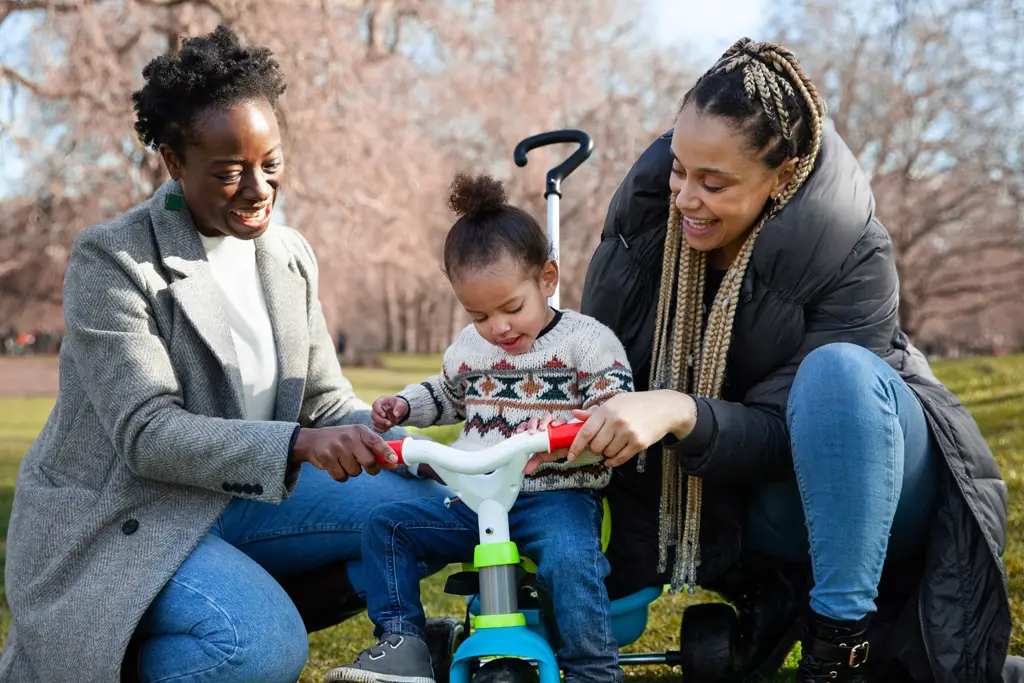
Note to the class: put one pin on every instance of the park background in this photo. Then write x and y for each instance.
(387, 99)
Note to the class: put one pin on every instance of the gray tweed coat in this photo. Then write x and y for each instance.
(146, 439)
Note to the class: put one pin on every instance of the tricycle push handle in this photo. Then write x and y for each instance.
(562, 171)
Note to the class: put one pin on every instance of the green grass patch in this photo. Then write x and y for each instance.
(398, 372)
(991, 388)
(20, 421)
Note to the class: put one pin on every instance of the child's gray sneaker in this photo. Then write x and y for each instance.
(395, 659)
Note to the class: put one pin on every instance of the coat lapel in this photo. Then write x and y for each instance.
(195, 292)
(285, 292)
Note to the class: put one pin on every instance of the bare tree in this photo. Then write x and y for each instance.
(927, 95)
(387, 99)
(83, 162)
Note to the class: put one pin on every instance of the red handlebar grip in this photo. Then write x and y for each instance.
(396, 446)
(562, 436)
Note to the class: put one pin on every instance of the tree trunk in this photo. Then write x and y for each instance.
(392, 314)
(909, 319)
(408, 315)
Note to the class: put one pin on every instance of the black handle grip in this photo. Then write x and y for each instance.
(562, 171)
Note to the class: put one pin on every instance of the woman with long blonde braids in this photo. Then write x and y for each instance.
(796, 453)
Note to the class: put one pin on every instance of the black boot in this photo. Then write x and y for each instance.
(834, 651)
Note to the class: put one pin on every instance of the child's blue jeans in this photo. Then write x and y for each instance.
(559, 530)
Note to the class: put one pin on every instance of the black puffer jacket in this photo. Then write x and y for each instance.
(822, 271)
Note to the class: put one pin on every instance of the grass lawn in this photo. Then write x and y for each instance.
(992, 388)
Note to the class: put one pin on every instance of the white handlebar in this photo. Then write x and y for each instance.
(494, 474)
(416, 452)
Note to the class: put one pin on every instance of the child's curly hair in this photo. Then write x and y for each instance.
(489, 228)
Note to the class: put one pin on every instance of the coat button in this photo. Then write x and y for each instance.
(247, 489)
(130, 527)
(226, 486)
(257, 489)
(237, 488)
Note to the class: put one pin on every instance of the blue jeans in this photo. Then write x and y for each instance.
(866, 479)
(559, 530)
(222, 618)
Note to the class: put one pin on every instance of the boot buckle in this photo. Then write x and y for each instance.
(858, 655)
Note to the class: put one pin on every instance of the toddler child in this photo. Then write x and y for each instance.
(518, 365)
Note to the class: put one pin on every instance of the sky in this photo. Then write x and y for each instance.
(707, 27)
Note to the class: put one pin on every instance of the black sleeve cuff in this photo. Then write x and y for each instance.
(699, 441)
(291, 470)
(408, 409)
(295, 436)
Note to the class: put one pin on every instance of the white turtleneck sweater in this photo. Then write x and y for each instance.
(233, 262)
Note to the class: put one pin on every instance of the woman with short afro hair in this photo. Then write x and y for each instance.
(191, 463)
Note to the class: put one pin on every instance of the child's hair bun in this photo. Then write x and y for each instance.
(476, 195)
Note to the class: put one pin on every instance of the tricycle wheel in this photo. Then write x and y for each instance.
(507, 670)
(709, 643)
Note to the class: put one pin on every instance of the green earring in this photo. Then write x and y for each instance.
(174, 202)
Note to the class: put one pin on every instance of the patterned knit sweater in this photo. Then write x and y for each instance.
(576, 362)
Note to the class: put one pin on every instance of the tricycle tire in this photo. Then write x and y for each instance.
(507, 670)
(709, 643)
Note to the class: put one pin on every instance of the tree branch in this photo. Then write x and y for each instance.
(9, 7)
(37, 88)
(1010, 295)
(942, 207)
(174, 3)
(979, 285)
(13, 264)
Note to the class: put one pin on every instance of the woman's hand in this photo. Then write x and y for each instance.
(343, 451)
(626, 424)
(388, 411)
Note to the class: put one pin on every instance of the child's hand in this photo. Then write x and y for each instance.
(540, 423)
(427, 472)
(388, 411)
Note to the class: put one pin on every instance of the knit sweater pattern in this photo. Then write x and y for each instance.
(577, 363)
